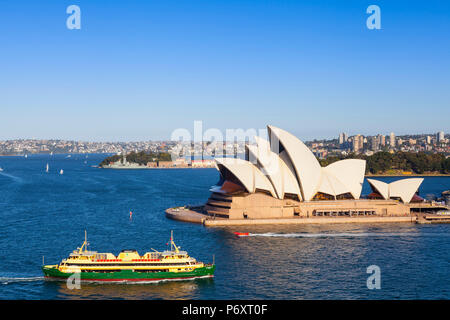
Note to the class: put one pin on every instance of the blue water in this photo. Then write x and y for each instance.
(45, 214)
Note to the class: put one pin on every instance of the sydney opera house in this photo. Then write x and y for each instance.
(282, 178)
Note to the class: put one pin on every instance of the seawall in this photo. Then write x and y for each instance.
(318, 220)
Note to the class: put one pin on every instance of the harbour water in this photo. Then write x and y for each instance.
(45, 214)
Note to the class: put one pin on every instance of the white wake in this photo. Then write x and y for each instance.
(7, 280)
(340, 234)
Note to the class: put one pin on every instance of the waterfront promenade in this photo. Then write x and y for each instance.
(197, 215)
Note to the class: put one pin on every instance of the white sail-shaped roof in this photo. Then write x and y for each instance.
(275, 168)
(350, 173)
(290, 180)
(381, 187)
(247, 173)
(273, 176)
(331, 185)
(286, 165)
(307, 168)
(403, 189)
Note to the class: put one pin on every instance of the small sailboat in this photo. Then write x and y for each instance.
(46, 168)
(26, 156)
(61, 172)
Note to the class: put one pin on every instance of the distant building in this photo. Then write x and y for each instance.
(342, 138)
(375, 143)
(392, 140)
(440, 136)
(203, 163)
(357, 143)
(165, 164)
(381, 140)
(180, 162)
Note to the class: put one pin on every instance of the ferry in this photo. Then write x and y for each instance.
(129, 266)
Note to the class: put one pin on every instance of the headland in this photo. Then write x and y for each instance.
(144, 160)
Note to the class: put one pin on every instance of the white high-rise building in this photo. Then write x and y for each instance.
(343, 137)
(392, 140)
(357, 143)
(440, 136)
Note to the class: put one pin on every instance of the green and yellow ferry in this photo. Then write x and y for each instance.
(129, 266)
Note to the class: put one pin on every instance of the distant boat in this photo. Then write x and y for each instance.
(26, 156)
(46, 168)
(241, 234)
(1, 169)
(69, 156)
(61, 172)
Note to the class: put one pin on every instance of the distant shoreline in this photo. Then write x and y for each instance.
(367, 175)
(146, 168)
(410, 175)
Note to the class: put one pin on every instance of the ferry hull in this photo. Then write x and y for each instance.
(52, 273)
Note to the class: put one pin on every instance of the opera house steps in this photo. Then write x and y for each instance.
(219, 204)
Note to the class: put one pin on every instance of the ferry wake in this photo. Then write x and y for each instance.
(129, 266)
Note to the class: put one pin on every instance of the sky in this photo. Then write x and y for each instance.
(138, 70)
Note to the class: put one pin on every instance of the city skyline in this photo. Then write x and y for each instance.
(439, 135)
(342, 144)
(149, 138)
(137, 71)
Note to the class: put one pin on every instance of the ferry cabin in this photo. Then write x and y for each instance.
(166, 261)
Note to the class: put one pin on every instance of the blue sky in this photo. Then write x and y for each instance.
(137, 70)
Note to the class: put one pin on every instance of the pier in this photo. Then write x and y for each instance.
(433, 218)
